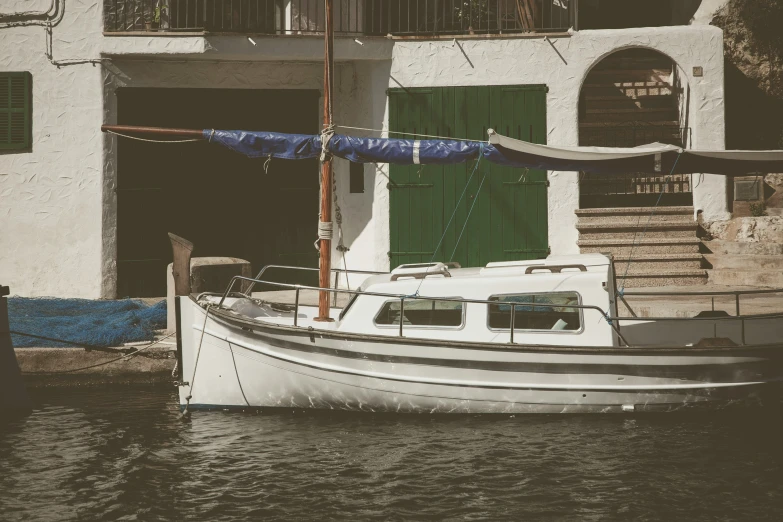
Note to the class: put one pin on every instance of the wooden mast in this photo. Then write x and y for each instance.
(325, 245)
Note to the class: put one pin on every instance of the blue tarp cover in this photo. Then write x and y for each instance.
(358, 150)
(654, 158)
(265, 144)
(402, 151)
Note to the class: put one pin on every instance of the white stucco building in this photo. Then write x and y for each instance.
(84, 214)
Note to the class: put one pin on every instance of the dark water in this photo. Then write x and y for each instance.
(123, 454)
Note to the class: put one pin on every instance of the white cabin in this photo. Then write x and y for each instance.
(552, 299)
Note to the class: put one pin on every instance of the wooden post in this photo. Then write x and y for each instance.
(325, 245)
(14, 401)
(182, 250)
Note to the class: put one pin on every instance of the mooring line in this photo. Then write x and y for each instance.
(185, 412)
(127, 356)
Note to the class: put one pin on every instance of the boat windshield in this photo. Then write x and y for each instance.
(545, 311)
(421, 312)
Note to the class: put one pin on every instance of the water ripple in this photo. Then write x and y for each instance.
(124, 454)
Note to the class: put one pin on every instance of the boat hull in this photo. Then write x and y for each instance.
(229, 363)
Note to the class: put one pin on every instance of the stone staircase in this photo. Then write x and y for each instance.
(744, 263)
(665, 248)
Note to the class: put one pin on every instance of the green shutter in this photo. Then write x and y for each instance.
(16, 110)
(509, 219)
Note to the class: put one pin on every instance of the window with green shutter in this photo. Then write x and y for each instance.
(16, 110)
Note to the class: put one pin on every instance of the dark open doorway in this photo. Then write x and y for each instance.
(222, 201)
(630, 98)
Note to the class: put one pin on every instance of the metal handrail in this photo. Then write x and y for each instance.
(735, 293)
(710, 292)
(337, 271)
(402, 298)
(612, 320)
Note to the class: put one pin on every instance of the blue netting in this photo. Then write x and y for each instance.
(94, 323)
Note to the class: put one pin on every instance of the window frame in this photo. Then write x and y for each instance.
(26, 110)
(571, 332)
(348, 306)
(425, 326)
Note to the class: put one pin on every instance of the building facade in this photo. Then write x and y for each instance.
(85, 214)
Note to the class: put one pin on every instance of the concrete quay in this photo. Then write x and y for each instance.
(70, 367)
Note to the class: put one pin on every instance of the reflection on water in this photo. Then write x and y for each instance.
(125, 454)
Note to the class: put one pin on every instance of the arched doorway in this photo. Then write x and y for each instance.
(630, 98)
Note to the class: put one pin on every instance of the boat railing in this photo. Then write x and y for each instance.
(403, 297)
(335, 271)
(714, 293)
(614, 321)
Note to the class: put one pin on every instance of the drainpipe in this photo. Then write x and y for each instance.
(31, 15)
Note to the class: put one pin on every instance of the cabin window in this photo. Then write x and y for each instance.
(421, 312)
(540, 312)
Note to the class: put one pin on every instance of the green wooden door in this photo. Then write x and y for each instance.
(509, 218)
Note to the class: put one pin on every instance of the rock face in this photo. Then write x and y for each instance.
(774, 184)
(748, 229)
(753, 49)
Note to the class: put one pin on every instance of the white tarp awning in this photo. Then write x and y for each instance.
(658, 158)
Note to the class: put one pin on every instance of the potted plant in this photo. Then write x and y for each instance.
(154, 23)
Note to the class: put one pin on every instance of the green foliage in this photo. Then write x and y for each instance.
(764, 21)
(758, 209)
(158, 11)
(473, 13)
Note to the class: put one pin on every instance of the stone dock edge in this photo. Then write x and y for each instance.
(77, 367)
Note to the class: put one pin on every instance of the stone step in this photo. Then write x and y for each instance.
(615, 88)
(644, 261)
(614, 94)
(615, 126)
(653, 277)
(719, 246)
(734, 277)
(745, 262)
(602, 103)
(645, 245)
(634, 211)
(622, 115)
(623, 230)
(640, 75)
(658, 219)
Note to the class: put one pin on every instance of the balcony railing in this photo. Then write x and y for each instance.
(357, 17)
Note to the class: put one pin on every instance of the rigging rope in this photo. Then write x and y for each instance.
(155, 141)
(185, 412)
(468, 217)
(408, 133)
(456, 208)
(236, 372)
(126, 357)
(621, 291)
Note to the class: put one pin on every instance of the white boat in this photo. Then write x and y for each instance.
(512, 337)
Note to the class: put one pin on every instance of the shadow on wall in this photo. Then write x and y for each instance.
(753, 47)
(368, 110)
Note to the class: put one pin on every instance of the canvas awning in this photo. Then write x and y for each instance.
(656, 158)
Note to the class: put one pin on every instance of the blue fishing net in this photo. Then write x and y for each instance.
(90, 322)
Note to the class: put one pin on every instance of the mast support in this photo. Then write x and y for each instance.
(325, 245)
